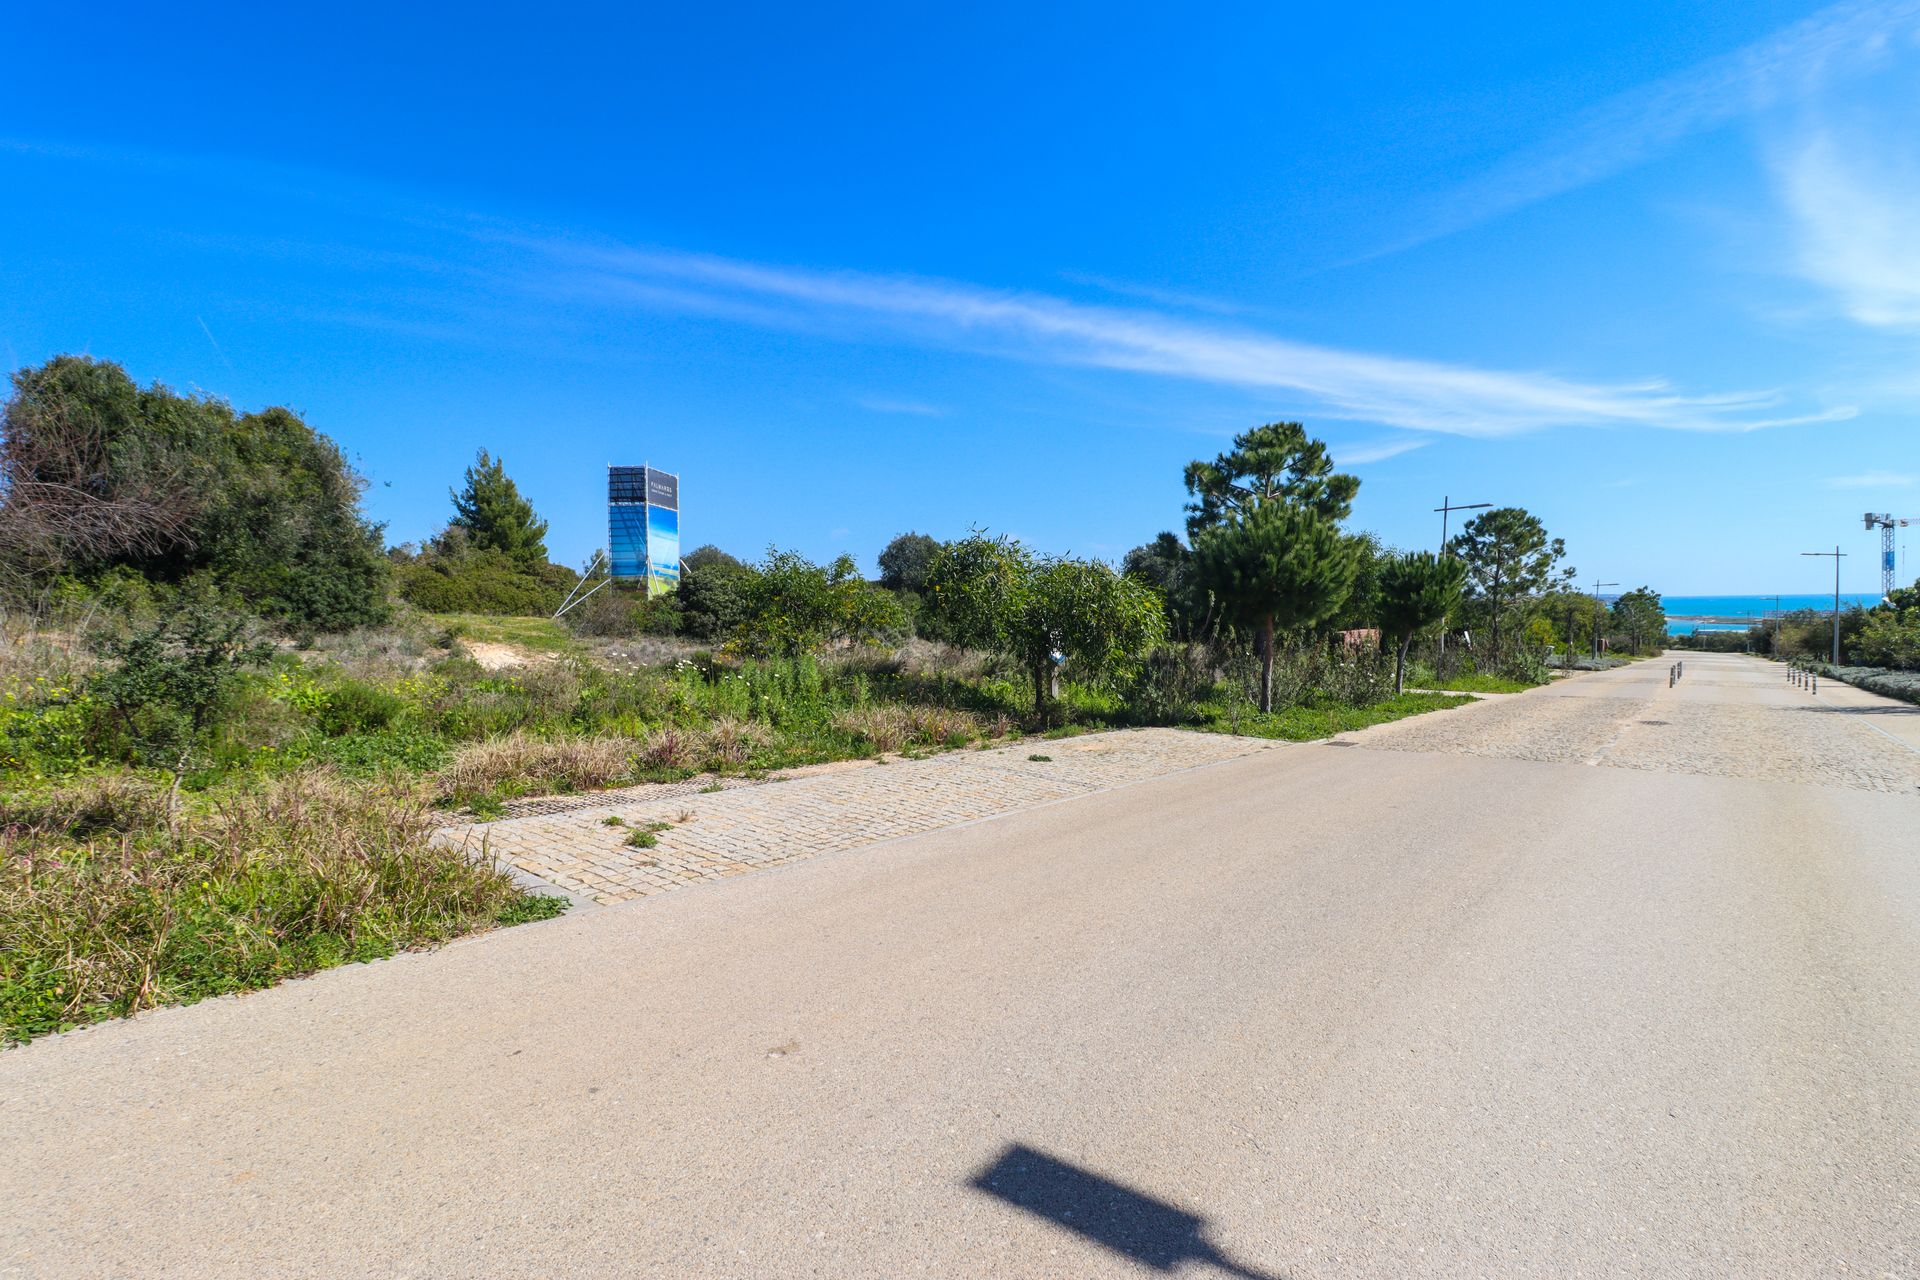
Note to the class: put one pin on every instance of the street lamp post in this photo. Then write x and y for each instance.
(1446, 508)
(1838, 555)
(1597, 584)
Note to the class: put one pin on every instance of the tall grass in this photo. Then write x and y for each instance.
(104, 912)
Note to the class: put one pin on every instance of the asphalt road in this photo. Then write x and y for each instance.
(1406, 1005)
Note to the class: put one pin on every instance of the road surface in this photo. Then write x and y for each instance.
(1603, 979)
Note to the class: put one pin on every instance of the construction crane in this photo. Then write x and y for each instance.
(1886, 525)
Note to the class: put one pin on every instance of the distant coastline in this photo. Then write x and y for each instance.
(1736, 613)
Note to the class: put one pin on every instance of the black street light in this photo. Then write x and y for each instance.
(1838, 555)
(1597, 584)
(1446, 508)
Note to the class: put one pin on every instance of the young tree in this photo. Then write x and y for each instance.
(1640, 616)
(992, 593)
(904, 562)
(1276, 568)
(489, 507)
(1417, 590)
(1508, 557)
(1276, 463)
(792, 605)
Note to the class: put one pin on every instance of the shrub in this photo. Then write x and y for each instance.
(178, 487)
(168, 681)
(794, 606)
(1904, 685)
(459, 579)
(353, 706)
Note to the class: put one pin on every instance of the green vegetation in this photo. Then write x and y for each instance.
(108, 907)
(1509, 559)
(1418, 591)
(1467, 682)
(1308, 721)
(534, 635)
(126, 493)
(1880, 647)
(231, 725)
(1039, 611)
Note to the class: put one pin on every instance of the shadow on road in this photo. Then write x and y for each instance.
(1147, 1230)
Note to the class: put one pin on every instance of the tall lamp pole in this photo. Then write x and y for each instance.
(1597, 584)
(1838, 555)
(1446, 508)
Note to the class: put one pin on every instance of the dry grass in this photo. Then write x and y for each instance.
(86, 806)
(526, 765)
(889, 727)
(114, 914)
(729, 742)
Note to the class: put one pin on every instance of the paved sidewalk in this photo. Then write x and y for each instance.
(723, 833)
(1729, 717)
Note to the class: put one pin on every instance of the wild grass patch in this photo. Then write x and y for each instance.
(105, 910)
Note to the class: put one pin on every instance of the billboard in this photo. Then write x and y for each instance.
(643, 527)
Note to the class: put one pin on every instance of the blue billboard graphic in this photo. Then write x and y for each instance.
(643, 527)
(663, 550)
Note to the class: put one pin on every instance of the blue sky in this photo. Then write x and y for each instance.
(1651, 271)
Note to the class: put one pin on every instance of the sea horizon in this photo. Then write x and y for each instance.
(1684, 612)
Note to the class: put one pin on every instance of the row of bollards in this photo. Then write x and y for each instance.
(1674, 673)
(1803, 677)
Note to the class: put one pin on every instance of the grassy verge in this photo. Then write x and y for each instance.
(1306, 723)
(107, 908)
(535, 635)
(1477, 683)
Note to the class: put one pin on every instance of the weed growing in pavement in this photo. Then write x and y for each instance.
(646, 837)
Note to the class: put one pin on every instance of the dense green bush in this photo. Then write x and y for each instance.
(102, 475)
(791, 606)
(451, 576)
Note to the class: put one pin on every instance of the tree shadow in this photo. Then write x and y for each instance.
(1135, 1225)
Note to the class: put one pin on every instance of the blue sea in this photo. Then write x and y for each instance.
(1752, 608)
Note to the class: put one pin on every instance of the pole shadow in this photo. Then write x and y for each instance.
(1137, 1226)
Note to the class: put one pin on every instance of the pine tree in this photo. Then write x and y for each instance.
(496, 517)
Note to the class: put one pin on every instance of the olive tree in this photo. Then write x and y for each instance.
(1277, 567)
(1416, 591)
(995, 594)
(790, 605)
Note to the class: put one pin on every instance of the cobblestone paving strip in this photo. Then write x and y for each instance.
(716, 834)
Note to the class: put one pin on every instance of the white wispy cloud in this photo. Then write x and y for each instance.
(1417, 395)
(1838, 42)
(1358, 455)
(917, 408)
(1874, 480)
(1856, 211)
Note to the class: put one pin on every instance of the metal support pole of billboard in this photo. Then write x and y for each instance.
(570, 601)
(1838, 555)
(1446, 508)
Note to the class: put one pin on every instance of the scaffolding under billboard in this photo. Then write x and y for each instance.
(643, 527)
